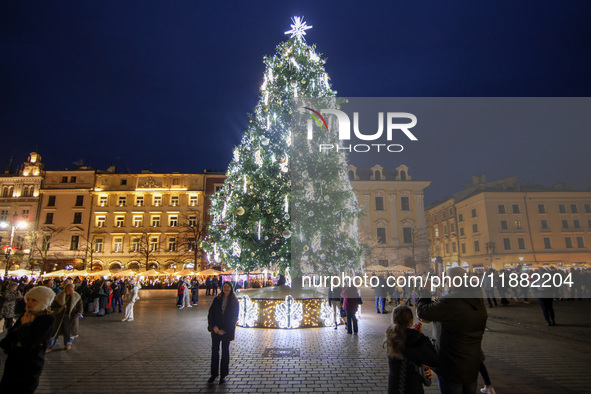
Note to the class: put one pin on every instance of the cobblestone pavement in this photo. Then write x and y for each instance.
(168, 350)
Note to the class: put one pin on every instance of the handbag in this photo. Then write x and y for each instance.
(343, 313)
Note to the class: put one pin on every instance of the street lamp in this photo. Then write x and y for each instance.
(15, 223)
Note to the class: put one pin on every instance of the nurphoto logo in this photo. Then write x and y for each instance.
(391, 119)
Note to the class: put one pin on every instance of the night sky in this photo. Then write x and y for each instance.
(166, 85)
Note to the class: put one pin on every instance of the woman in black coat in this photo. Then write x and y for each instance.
(222, 318)
(26, 342)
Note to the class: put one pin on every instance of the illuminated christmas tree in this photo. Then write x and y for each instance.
(284, 204)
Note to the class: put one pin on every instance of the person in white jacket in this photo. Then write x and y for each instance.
(133, 297)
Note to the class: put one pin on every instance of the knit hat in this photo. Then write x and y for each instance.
(44, 296)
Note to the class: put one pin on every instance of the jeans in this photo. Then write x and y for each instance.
(484, 373)
(351, 318)
(115, 301)
(380, 303)
(447, 387)
(215, 356)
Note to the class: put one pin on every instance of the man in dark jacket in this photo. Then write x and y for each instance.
(118, 291)
(459, 320)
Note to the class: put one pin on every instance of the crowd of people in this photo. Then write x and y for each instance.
(36, 313)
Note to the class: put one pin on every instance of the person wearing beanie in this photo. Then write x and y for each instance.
(25, 343)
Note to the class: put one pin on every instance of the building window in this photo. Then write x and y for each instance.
(25, 214)
(135, 245)
(175, 181)
(157, 201)
(453, 247)
(503, 225)
(453, 227)
(445, 229)
(139, 201)
(587, 208)
(137, 221)
(117, 245)
(461, 231)
(74, 242)
(407, 235)
(191, 244)
(64, 179)
(192, 221)
(51, 201)
(561, 208)
(541, 208)
(193, 201)
(476, 246)
(153, 244)
(435, 218)
(72, 179)
(516, 208)
(171, 244)
(576, 223)
(100, 221)
(447, 248)
(463, 246)
(501, 208)
(518, 225)
(451, 212)
(405, 203)
(4, 215)
(547, 244)
(436, 232)
(79, 201)
(155, 221)
(173, 221)
(379, 203)
(174, 201)
(442, 214)
(102, 201)
(77, 217)
(573, 208)
(98, 245)
(580, 243)
(521, 243)
(460, 217)
(381, 235)
(474, 213)
(119, 221)
(569, 242)
(474, 228)
(565, 224)
(544, 224)
(123, 182)
(122, 200)
(49, 218)
(507, 243)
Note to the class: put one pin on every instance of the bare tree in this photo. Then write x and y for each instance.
(193, 231)
(87, 249)
(416, 248)
(145, 245)
(44, 244)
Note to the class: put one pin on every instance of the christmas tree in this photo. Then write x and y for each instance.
(284, 204)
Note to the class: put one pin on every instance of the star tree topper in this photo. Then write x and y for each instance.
(298, 27)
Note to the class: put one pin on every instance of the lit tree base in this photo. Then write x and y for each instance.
(284, 308)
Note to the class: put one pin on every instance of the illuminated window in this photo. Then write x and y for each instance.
(174, 201)
(100, 221)
(153, 244)
(119, 221)
(117, 245)
(103, 201)
(135, 245)
(137, 221)
(518, 225)
(193, 201)
(171, 244)
(191, 245)
(98, 245)
(139, 201)
(173, 220)
(122, 200)
(157, 201)
(155, 221)
(192, 221)
(437, 232)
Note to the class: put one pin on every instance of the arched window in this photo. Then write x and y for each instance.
(403, 175)
(376, 175)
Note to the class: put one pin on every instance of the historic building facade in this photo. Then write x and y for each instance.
(502, 223)
(393, 225)
(19, 202)
(145, 221)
